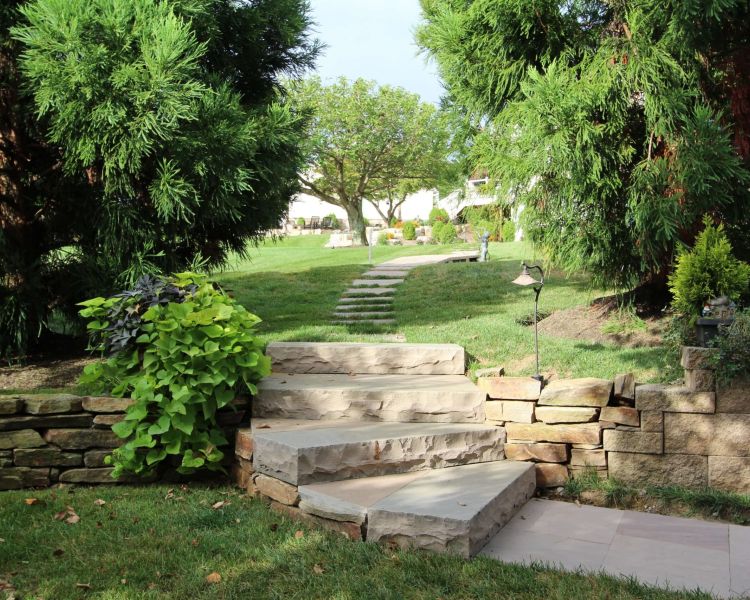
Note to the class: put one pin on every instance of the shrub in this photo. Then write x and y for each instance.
(181, 349)
(707, 270)
(509, 231)
(334, 221)
(410, 231)
(734, 348)
(438, 215)
(301, 222)
(383, 239)
(485, 218)
(444, 233)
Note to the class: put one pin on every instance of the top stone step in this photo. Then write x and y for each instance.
(367, 359)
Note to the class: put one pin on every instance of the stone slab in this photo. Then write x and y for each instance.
(489, 372)
(453, 510)
(370, 359)
(616, 440)
(670, 398)
(365, 322)
(368, 291)
(624, 387)
(352, 531)
(46, 457)
(10, 406)
(658, 469)
(652, 421)
(24, 438)
(518, 411)
(734, 398)
(241, 472)
(243, 443)
(542, 452)
(356, 450)
(47, 404)
(401, 398)
(366, 315)
(16, 478)
(714, 435)
(82, 439)
(581, 433)
(388, 282)
(729, 473)
(102, 475)
(385, 273)
(587, 391)
(95, 458)
(588, 458)
(700, 380)
(623, 415)
(510, 388)
(566, 414)
(696, 357)
(46, 421)
(106, 405)
(366, 300)
(106, 421)
(278, 490)
(551, 475)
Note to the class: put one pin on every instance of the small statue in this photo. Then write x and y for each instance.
(484, 254)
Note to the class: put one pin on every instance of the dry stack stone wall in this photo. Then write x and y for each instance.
(694, 435)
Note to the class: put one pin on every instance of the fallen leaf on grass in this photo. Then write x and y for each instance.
(213, 577)
(83, 586)
(170, 495)
(299, 534)
(58, 552)
(318, 570)
(68, 515)
(99, 502)
(220, 504)
(72, 519)
(273, 526)
(31, 501)
(194, 543)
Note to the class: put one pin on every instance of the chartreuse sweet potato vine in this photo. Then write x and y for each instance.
(189, 350)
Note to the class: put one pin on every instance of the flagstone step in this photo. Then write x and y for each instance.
(402, 398)
(359, 315)
(365, 322)
(388, 282)
(360, 308)
(385, 273)
(366, 300)
(351, 450)
(363, 358)
(365, 291)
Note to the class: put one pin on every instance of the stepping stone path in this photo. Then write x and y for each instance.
(383, 442)
(369, 300)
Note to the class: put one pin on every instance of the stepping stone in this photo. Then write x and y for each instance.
(365, 322)
(453, 510)
(364, 307)
(352, 357)
(363, 315)
(385, 273)
(368, 292)
(350, 450)
(378, 282)
(399, 398)
(362, 300)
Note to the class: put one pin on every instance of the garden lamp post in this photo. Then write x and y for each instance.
(525, 279)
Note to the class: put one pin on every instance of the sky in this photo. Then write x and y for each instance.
(374, 39)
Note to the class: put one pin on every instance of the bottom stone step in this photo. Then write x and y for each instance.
(365, 322)
(456, 509)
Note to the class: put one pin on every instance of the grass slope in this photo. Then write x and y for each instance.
(146, 542)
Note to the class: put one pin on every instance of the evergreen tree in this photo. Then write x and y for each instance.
(138, 136)
(617, 124)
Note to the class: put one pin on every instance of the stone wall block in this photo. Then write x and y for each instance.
(658, 469)
(353, 531)
(278, 490)
(711, 435)
(549, 453)
(510, 388)
(103, 475)
(669, 398)
(46, 457)
(734, 397)
(243, 444)
(82, 439)
(518, 411)
(624, 387)
(566, 414)
(582, 433)
(622, 415)
(106, 421)
(729, 473)
(48, 404)
(46, 421)
(95, 458)
(695, 357)
(700, 380)
(106, 405)
(10, 406)
(25, 438)
(588, 458)
(16, 478)
(587, 391)
(652, 421)
(551, 475)
(616, 440)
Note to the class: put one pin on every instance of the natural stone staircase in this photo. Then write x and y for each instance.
(387, 441)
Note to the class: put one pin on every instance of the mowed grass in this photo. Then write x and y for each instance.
(148, 542)
(294, 285)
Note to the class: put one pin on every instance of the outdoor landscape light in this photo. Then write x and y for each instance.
(525, 279)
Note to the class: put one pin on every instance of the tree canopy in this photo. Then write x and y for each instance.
(138, 136)
(617, 125)
(369, 142)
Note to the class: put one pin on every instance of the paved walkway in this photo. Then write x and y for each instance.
(655, 549)
(369, 300)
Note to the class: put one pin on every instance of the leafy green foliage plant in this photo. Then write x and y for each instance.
(409, 231)
(444, 232)
(438, 214)
(188, 357)
(734, 348)
(707, 270)
(509, 231)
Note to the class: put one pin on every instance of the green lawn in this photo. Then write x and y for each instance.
(146, 542)
(294, 285)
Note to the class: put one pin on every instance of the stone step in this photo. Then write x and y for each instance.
(401, 398)
(457, 509)
(388, 282)
(363, 358)
(358, 315)
(365, 322)
(361, 308)
(366, 300)
(385, 273)
(351, 450)
(365, 291)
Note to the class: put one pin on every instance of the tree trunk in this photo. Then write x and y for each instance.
(356, 222)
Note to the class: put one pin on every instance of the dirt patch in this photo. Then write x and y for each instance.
(603, 323)
(58, 373)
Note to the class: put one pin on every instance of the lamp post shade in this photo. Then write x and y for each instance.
(525, 278)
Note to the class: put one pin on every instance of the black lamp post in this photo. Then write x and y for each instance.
(526, 279)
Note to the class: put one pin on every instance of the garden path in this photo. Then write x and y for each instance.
(369, 300)
(655, 549)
